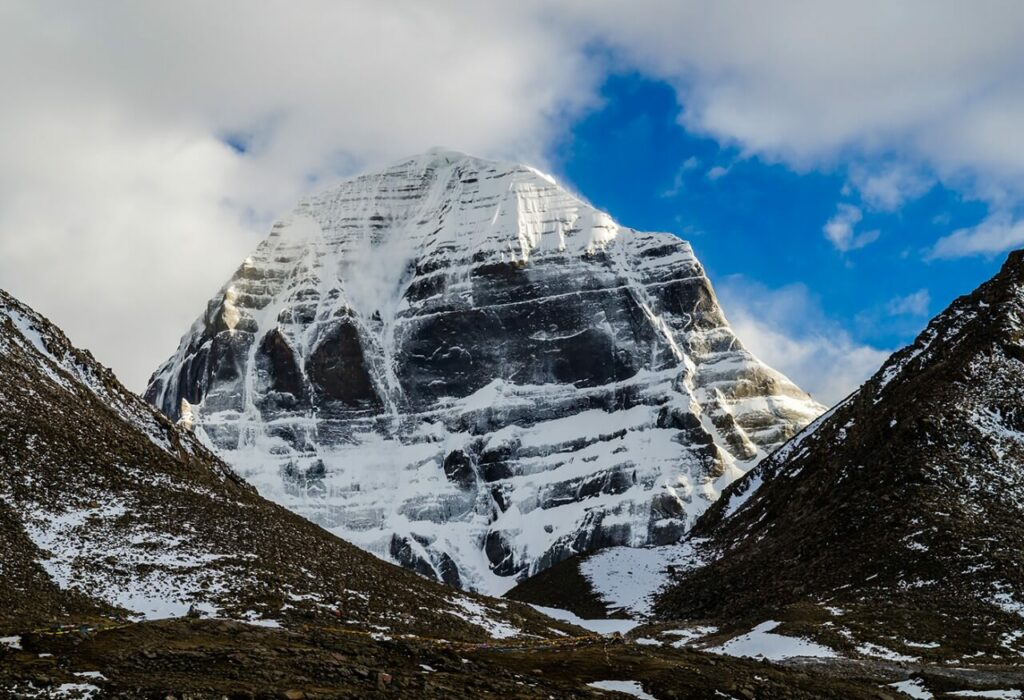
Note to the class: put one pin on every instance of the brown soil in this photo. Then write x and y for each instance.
(201, 659)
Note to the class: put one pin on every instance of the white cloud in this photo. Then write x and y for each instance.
(680, 178)
(841, 229)
(717, 173)
(121, 211)
(887, 188)
(787, 329)
(938, 83)
(996, 234)
(123, 260)
(915, 304)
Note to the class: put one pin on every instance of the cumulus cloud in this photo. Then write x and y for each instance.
(145, 147)
(786, 328)
(938, 82)
(841, 229)
(996, 234)
(887, 188)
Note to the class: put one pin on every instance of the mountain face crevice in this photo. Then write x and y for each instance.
(458, 365)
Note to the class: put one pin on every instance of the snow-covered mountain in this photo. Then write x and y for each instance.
(457, 364)
(108, 511)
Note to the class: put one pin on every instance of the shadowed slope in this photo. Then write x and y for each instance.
(109, 510)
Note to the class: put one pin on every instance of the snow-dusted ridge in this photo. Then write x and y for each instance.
(905, 496)
(460, 366)
(109, 512)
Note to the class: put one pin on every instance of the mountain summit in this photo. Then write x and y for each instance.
(459, 365)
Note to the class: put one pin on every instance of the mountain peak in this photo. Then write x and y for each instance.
(434, 157)
(460, 366)
(443, 155)
(439, 156)
(1015, 262)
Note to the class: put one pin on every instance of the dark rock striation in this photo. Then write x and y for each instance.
(486, 374)
(111, 513)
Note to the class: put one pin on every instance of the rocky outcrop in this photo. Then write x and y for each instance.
(458, 365)
(893, 522)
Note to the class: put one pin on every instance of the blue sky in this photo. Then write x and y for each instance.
(843, 169)
(758, 225)
(762, 220)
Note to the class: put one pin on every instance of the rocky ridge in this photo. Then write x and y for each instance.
(111, 513)
(893, 522)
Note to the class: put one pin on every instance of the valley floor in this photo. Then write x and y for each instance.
(618, 586)
(198, 659)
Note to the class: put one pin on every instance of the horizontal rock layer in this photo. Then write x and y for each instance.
(458, 365)
(109, 512)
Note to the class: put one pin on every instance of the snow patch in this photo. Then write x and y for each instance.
(166, 581)
(606, 626)
(880, 652)
(914, 687)
(633, 688)
(736, 500)
(685, 637)
(761, 643)
(629, 578)
(479, 615)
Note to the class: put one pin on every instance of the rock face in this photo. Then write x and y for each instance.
(899, 512)
(458, 365)
(110, 512)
